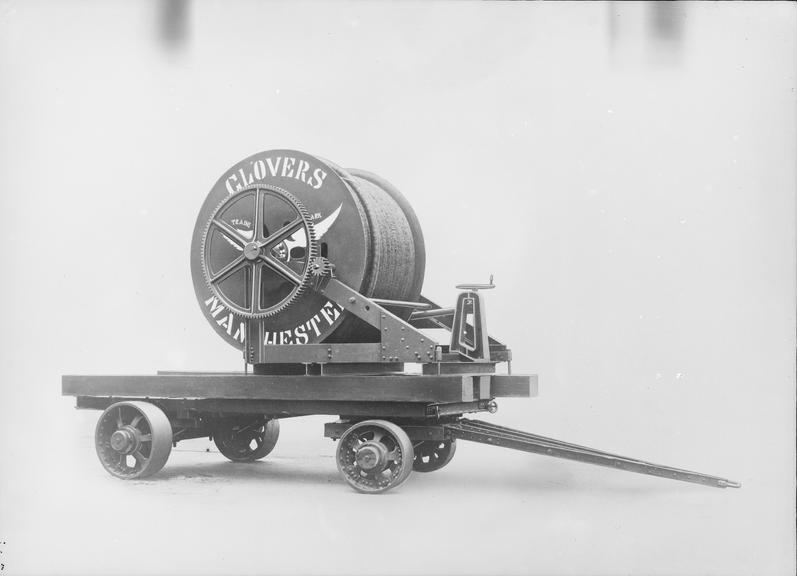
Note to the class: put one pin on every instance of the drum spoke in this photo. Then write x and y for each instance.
(282, 269)
(227, 270)
(233, 234)
(257, 270)
(258, 216)
(283, 233)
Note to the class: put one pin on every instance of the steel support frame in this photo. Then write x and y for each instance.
(399, 341)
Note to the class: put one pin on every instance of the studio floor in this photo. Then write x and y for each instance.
(489, 511)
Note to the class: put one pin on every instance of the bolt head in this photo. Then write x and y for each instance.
(251, 251)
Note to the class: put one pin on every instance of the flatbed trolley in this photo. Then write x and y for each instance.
(390, 422)
(314, 273)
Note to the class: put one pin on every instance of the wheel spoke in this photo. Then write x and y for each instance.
(230, 232)
(282, 269)
(378, 435)
(282, 233)
(433, 455)
(140, 458)
(136, 420)
(119, 423)
(394, 455)
(145, 437)
(228, 269)
(245, 428)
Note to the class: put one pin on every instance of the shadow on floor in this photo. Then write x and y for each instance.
(538, 475)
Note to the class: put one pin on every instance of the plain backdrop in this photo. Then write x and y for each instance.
(625, 171)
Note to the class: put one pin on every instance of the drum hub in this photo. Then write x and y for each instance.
(251, 251)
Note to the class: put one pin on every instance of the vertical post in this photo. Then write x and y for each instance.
(469, 329)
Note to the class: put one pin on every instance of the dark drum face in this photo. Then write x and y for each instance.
(245, 259)
(237, 277)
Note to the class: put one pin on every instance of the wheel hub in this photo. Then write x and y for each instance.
(124, 440)
(371, 456)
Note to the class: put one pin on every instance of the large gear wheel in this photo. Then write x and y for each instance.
(257, 251)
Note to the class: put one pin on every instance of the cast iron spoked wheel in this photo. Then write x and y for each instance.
(133, 439)
(431, 455)
(257, 251)
(374, 456)
(246, 440)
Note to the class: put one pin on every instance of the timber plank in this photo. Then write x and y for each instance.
(386, 388)
(506, 386)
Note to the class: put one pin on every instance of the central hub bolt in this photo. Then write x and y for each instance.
(122, 440)
(369, 457)
(251, 251)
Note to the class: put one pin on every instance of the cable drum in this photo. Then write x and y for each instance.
(392, 269)
(404, 207)
(264, 220)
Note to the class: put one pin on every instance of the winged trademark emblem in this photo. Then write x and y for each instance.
(299, 238)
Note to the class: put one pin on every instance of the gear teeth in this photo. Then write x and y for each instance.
(321, 266)
(311, 253)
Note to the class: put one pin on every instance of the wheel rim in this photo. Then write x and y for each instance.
(431, 455)
(133, 439)
(374, 456)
